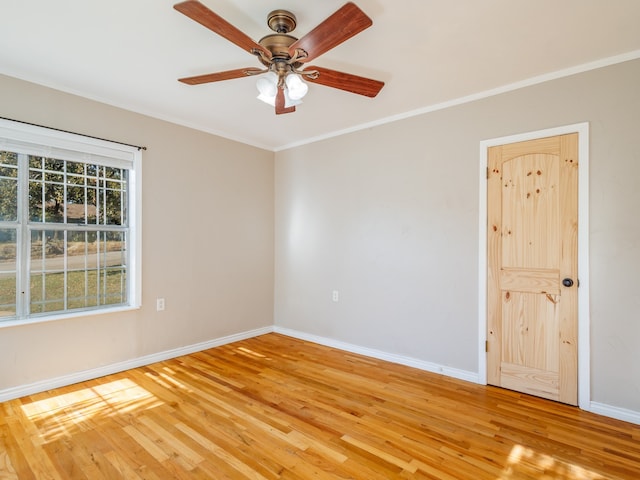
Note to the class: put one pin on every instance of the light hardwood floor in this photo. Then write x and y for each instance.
(274, 407)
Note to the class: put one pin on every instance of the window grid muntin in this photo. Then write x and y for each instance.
(102, 270)
(9, 176)
(8, 272)
(105, 184)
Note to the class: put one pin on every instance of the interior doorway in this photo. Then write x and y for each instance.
(513, 299)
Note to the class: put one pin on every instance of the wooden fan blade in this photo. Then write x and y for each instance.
(201, 14)
(346, 81)
(218, 77)
(346, 22)
(280, 108)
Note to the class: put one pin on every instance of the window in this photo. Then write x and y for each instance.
(69, 208)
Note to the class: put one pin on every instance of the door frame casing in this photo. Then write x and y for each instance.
(584, 354)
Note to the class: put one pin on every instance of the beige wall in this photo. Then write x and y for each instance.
(389, 217)
(207, 234)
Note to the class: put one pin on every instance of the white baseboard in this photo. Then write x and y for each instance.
(44, 385)
(379, 354)
(618, 413)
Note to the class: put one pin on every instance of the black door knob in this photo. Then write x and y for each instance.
(567, 282)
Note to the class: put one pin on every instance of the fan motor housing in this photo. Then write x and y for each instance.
(278, 44)
(282, 22)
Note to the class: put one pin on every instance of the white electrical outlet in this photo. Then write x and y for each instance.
(159, 304)
(335, 296)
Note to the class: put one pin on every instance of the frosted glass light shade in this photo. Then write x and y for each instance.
(268, 87)
(290, 102)
(296, 87)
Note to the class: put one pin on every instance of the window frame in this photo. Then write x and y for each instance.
(24, 138)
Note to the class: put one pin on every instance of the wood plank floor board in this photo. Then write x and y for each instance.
(13, 463)
(274, 407)
(64, 461)
(130, 458)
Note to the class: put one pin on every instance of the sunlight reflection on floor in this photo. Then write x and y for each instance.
(248, 352)
(60, 415)
(526, 462)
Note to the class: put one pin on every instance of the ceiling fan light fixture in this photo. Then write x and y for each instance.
(294, 89)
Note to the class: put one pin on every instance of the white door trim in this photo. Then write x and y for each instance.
(584, 352)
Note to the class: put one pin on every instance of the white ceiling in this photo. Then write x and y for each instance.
(129, 53)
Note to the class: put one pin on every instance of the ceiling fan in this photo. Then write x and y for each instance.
(284, 56)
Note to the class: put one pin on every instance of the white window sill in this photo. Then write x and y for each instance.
(62, 316)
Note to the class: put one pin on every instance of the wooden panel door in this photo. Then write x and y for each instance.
(532, 297)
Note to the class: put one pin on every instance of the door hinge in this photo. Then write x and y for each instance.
(486, 346)
(487, 173)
